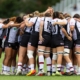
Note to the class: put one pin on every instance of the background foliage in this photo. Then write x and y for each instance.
(10, 8)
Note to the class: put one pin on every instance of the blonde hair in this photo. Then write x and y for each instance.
(41, 15)
(31, 15)
(36, 13)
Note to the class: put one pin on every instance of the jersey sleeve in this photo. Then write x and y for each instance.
(72, 22)
(62, 20)
(1, 25)
(33, 19)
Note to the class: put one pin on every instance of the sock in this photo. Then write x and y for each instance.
(62, 68)
(24, 67)
(41, 62)
(48, 62)
(75, 68)
(5, 68)
(19, 66)
(53, 68)
(59, 67)
(13, 69)
(67, 68)
(32, 66)
(29, 68)
(70, 66)
(8, 69)
(78, 69)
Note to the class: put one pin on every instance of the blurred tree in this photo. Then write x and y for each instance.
(10, 8)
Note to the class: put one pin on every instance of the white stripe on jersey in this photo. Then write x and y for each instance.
(75, 32)
(1, 30)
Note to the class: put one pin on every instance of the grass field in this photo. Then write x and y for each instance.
(36, 77)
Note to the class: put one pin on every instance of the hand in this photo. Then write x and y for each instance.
(41, 38)
(50, 9)
(71, 34)
(69, 38)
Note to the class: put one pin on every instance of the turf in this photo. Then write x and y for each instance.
(36, 77)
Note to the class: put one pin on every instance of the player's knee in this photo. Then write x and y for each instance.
(77, 53)
(66, 52)
(54, 56)
(46, 52)
(30, 54)
(40, 51)
(60, 52)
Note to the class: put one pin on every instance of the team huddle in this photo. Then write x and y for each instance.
(50, 37)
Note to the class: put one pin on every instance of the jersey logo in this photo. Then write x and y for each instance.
(15, 28)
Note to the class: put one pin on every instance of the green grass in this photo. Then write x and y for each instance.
(36, 77)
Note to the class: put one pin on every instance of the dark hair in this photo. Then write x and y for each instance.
(47, 15)
(76, 16)
(6, 21)
(19, 20)
(56, 14)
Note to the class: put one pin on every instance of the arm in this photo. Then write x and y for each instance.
(41, 31)
(77, 19)
(5, 26)
(49, 10)
(21, 32)
(29, 24)
(22, 25)
(72, 24)
(65, 33)
(60, 23)
(16, 25)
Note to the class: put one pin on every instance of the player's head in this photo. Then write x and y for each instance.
(31, 15)
(61, 16)
(47, 15)
(36, 13)
(6, 21)
(12, 19)
(56, 15)
(66, 15)
(41, 15)
(76, 16)
(19, 19)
